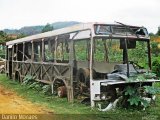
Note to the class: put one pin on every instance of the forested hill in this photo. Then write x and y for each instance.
(31, 30)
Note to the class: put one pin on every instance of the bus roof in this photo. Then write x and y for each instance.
(71, 29)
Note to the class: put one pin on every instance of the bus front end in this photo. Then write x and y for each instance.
(120, 58)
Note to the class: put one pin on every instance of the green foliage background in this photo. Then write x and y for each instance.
(47, 27)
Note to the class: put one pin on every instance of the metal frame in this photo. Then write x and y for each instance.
(49, 72)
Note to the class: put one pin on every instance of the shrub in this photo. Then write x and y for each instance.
(156, 66)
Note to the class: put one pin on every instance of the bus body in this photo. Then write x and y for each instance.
(94, 59)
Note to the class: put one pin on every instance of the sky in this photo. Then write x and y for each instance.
(15, 14)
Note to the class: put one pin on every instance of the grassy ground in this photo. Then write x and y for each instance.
(77, 110)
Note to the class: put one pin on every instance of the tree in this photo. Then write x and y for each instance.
(3, 37)
(158, 32)
(47, 27)
(151, 34)
(155, 49)
(21, 35)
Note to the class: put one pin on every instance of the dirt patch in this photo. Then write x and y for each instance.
(11, 103)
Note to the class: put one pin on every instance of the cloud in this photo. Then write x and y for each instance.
(19, 13)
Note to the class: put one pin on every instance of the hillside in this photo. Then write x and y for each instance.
(31, 30)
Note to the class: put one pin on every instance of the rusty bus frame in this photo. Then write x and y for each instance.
(28, 56)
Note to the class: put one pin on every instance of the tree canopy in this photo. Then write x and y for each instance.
(47, 27)
(3, 37)
(158, 32)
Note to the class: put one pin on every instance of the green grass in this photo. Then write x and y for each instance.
(78, 110)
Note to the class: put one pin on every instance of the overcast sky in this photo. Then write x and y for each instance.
(19, 13)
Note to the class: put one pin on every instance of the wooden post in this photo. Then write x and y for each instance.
(43, 50)
(16, 51)
(32, 51)
(55, 51)
(70, 82)
(42, 58)
(12, 59)
(23, 51)
(32, 58)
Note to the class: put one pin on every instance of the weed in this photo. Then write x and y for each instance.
(76, 110)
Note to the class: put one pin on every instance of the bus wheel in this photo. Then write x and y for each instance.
(62, 91)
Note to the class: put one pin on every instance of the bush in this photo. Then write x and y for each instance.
(46, 89)
(155, 49)
(28, 79)
(30, 83)
(156, 66)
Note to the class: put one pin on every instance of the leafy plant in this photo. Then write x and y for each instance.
(35, 85)
(141, 78)
(134, 100)
(28, 79)
(156, 66)
(32, 85)
(130, 91)
(152, 90)
(46, 89)
(30, 82)
(149, 75)
(134, 96)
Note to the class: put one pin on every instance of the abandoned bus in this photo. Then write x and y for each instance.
(93, 59)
